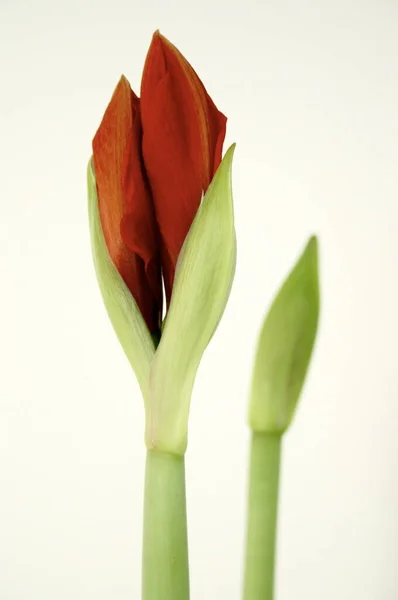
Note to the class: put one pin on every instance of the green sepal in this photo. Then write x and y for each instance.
(285, 346)
(202, 284)
(121, 307)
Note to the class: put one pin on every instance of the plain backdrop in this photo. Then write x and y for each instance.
(310, 89)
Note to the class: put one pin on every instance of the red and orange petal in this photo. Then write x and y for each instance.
(125, 205)
(183, 134)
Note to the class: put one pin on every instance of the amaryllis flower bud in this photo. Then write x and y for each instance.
(154, 158)
(183, 135)
(159, 193)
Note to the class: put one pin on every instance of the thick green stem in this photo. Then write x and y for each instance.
(165, 574)
(262, 516)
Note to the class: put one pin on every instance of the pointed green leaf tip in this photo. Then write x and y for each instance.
(121, 307)
(203, 281)
(285, 346)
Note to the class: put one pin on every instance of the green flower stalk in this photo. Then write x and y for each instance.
(283, 356)
(151, 226)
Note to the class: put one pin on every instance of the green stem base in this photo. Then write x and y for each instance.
(262, 516)
(165, 573)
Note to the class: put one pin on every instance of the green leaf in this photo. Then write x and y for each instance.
(285, 346)
(121, 307)
(201, 289)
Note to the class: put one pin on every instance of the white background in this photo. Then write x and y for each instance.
(310, 89)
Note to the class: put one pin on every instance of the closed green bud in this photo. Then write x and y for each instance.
(285, 346)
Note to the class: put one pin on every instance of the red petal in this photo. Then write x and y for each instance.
(125, 205)
(183, 134)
